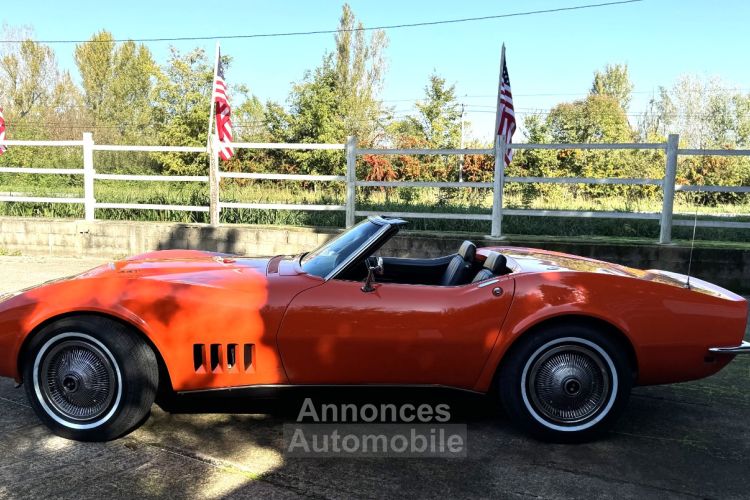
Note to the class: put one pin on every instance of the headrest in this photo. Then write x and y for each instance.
(467, 251)
(495, 262)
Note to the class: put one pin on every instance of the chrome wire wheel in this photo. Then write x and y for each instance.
(569, 384)
(77, 380)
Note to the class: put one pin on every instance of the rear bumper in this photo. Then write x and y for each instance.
(743, 348)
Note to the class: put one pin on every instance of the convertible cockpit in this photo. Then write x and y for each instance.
(351, 255)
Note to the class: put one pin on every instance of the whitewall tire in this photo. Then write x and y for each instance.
(567, 382)
(90, 378)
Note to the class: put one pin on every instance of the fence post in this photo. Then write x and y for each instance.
(351, 179)
(213, 182)
(88, 176)
(497, 188)
(665, 223)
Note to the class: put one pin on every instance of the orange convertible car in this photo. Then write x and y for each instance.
(560, 340)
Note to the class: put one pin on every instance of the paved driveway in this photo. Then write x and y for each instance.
(680, 441)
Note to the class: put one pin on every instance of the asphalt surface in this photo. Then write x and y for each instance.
(680, 441)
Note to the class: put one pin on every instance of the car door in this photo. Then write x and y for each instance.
(397, 334)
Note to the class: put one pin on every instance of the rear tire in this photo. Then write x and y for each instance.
(565, 383)
(90, 378)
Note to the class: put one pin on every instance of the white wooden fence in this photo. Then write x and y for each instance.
(352, 151)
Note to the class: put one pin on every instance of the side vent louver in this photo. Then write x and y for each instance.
(199, 357)
(215, 357)
(247, 357)
(239, 357)
(232, 357)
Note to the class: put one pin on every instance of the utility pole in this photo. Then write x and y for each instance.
(461, 157)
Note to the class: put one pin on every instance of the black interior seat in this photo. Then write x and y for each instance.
(459, 268)
(494, 265)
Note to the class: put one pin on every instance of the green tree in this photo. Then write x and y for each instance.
(181, 109)
(338, 98)
(39, 100)
(316, 109)
(29, 78)
(614, 82)
(248, 117)
(360, 68)
(341, 96)
(597, 118)
(438, 121)
(118, 87)
(594, 119)
(436, 124)
(95, 61)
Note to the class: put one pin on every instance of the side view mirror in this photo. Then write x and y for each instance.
(374, 266)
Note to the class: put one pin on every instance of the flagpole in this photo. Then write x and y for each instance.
(499, 177)
(213, 154)
(213, 101)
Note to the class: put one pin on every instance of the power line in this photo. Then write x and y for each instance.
(557, 94)
(326, 32)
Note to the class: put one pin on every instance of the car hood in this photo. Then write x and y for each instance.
(176, 262)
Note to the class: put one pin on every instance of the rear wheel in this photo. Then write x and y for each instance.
(565, 383)
(90, 378)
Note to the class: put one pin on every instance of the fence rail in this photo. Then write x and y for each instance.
(352, 152)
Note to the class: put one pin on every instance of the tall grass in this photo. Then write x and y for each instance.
(432, 200)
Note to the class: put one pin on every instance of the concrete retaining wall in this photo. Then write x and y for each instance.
(728, 267)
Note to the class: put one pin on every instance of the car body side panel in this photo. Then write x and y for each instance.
(670, 328)
(177, 310)
(332, 332)
(397, 334)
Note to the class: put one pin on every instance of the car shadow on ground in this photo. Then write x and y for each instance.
(677, 441)
(682, 440)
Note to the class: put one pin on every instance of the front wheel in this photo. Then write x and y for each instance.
(566, 383)
(90, 378)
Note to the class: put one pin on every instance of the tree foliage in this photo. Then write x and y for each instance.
(437, 123)
(122, 95)
(706, 113)
(614, 82)
(118, 83)
(181, 109)
(30, 78)
(337, 99)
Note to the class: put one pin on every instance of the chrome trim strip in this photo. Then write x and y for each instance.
(325, 386)
(743, 348)
(355, 255)
(488, 283)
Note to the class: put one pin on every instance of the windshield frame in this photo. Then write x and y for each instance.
(358, 253)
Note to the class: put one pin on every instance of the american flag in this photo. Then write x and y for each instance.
(505, 113)
(223, 114)
(2, 132)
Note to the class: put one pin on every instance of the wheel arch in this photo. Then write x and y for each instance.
(165, 382)
(575, 319)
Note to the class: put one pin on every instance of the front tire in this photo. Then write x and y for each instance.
(90, 378)
(565, 383)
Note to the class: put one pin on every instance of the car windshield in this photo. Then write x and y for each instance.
(324, 259)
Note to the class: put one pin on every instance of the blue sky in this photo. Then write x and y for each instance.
(551, 57)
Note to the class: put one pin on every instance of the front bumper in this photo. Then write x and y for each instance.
(743, 348)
